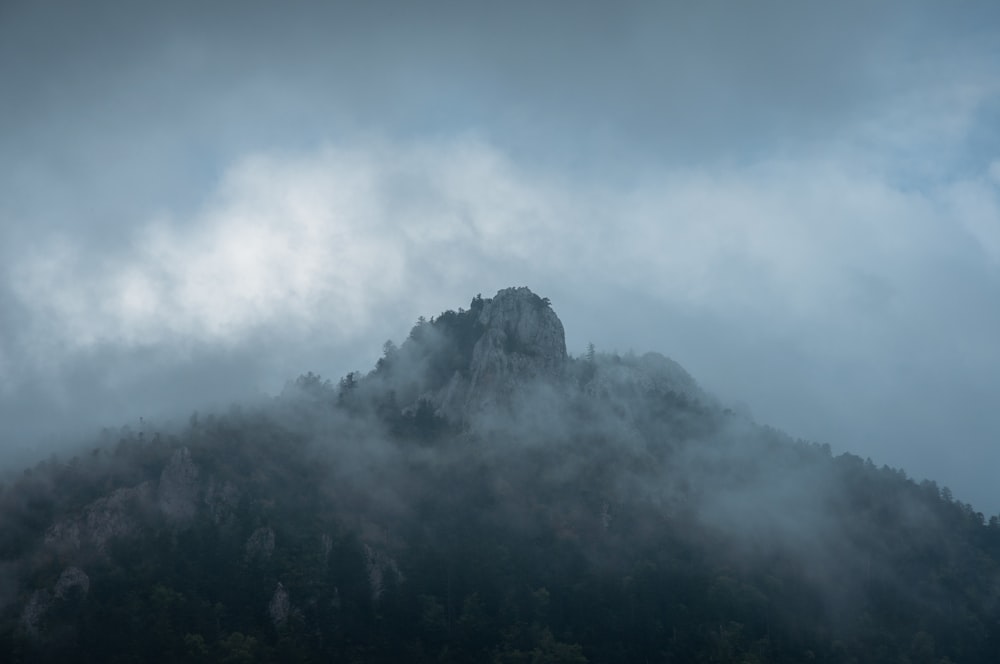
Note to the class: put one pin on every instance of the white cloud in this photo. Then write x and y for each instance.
(975, 205)
(329, 240)
(994, 173)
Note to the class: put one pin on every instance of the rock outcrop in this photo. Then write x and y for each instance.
(652, 372)
(69, 592)
(35, 609)
(279, 606)
(260, 545)
(522, 340)
(122, 512)
(508, 354)
(221, 499)
(380, 566)
(73, 584)
(114, 515)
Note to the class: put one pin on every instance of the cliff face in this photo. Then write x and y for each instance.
(522, 340)
(119, 514)
(507, 355)
(519, 323)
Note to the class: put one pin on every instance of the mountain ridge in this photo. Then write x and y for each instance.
(481, 495)
(506, 343)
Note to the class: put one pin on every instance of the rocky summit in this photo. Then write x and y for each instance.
(521, 340)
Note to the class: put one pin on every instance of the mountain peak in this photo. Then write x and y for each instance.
(462, 363)
(518, 338)
(518, 322)
(522, 339)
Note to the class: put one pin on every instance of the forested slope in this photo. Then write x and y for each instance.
(482, 496)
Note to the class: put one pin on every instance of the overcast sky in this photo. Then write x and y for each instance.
(798, 201)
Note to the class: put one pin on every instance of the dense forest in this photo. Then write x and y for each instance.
(480, 495)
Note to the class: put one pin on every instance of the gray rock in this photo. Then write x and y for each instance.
(623, 382)
(380, 567)
(73, 583)
(71, 588)
(113, 516)
(279, 606)
(518, 322)
(33, 614)
(326, 546)
(221, 500)
(260, 545)
(518, 364)
(523, 340)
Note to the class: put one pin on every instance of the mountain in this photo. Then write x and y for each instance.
(481, 495)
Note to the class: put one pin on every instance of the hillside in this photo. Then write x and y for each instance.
(481, 495)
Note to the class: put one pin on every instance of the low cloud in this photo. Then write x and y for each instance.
(819, 257)
(329, 240)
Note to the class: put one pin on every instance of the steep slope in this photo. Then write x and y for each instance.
(522, 340)
(482, 496)
(467, 363)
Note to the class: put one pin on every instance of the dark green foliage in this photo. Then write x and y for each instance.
(678, 532)
(422, 424)
(459, 331)
(497, 561)
(446, 341)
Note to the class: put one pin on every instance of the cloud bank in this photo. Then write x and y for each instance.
(799, 204)
(329, 239)
(348, 244)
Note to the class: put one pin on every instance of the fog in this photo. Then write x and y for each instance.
(799, 205)
(477, 459)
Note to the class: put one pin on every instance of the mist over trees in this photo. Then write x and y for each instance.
(482, 495)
